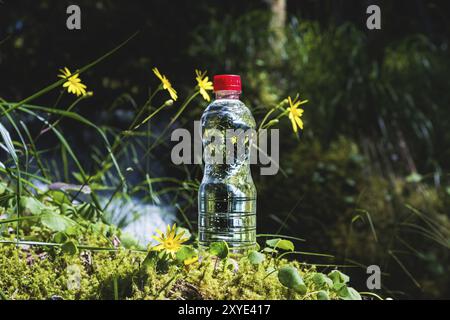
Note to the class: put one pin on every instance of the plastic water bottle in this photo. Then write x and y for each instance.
(227, 194)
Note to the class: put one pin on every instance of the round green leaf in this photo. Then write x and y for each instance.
(185, 252)
(322, 280)
(69, 247)
(60, 237)
(256, 257)
(31, 205)
(290, 278)
(269, 250)
(219, 249)
(348, 293)
(56, 222)
(338, 277)
(282, 244)
(59, 197)
(322, 295)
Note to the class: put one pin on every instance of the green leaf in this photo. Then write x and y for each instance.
(282, 244)
(8, 143)
(348, 293)
(414, 178)
(290, 278)
(269, 250)
(70, 247)
(150, 259)
(57, 222)
(322, 295)
(185, 252)
(219, 249)
(321, 280)
(60, 237)
(338, 286)
(256, 257)
(59, 197)
(73, 230)
(162, 265)
(338, 277)
(31, 205)
(3, 187)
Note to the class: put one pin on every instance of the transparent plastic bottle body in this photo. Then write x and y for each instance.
(227, 194)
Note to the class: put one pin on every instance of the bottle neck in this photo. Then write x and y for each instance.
(228, 94)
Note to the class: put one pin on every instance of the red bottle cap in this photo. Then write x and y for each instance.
(229, 82)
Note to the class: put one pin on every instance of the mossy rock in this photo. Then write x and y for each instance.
(32, 273)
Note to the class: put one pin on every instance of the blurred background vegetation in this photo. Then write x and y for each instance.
(367, 181)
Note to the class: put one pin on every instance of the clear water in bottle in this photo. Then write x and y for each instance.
(227, 194)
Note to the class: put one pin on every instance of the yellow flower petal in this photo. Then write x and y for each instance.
(295, 113)
(159, 247)
(157, 73)
(190, 261)
(178, 236)
(73, 83)
(159, 239)
(299, 122)
(205, 94)
(203, 84)
(173, 94)
(170, 242)
(294, 125)
(166, 84)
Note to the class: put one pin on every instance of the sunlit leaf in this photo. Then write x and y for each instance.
(348, 293)
(338, 277)
(282, 244)
(256, 257)
(57, 222)
(322, 295)
(31, 205)
(185, 253)
(219, 249)
(291, 278)
(321, 280)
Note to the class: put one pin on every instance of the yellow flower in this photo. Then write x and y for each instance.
(73, 83)
(203, 84)
(169, 242)
(166, 84)
(191, 261)
(296, 113)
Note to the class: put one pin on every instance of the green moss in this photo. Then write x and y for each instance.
(59, 266)
(30, 273)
